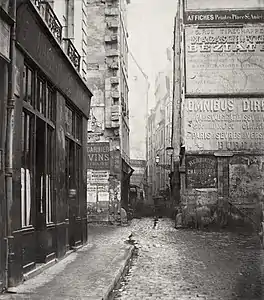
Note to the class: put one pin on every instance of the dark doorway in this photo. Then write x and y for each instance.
(71, 189)
(40, 190)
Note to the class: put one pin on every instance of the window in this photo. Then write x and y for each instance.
(41, 96)
(73, 159)
(26, 169)
(73, 123)
(49, 174)
(28, 84)
(37, 150)
(69, 120)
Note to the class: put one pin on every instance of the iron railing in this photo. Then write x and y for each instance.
(50, 17)
(73, 54)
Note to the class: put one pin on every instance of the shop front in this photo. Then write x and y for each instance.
(48, 213)
(5, 31)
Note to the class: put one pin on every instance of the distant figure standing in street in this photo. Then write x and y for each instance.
(123, 216)
(178, 219)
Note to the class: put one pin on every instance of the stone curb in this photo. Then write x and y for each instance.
(119, 274)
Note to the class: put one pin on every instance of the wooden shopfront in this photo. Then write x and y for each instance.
(51, 113)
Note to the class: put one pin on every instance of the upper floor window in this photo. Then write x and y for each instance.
(39, 96)
(73, 123)
(28, 85)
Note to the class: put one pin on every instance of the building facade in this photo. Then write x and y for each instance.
(159, 134)
(107, 72)
(138, 97)
(44, 191)
(221, 94)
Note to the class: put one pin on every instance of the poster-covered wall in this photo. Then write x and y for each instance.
(98, 180)
(224, 60)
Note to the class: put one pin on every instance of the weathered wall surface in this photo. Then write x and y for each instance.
(222, 113)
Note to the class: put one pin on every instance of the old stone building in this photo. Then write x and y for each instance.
(107, 72)
(219, 96)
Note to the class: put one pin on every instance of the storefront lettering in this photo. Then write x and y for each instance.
(201, 171)
(98, 156)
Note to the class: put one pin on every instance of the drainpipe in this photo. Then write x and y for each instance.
(9, 139)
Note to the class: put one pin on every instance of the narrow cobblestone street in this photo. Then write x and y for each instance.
(184, 264)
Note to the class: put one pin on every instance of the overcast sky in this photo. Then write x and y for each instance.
(150, 27)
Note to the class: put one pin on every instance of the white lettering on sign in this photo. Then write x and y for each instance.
(224, 124)
(224, 60)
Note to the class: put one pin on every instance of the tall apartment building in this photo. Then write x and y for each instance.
(107, 72)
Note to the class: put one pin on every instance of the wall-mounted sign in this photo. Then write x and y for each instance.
(224, 60)
(201, 172)
(229, 16)
(224, 124)
(97, 177)
(4, 39)
(98, 156)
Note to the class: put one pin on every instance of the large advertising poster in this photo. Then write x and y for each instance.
(234, 124)
(224, 60)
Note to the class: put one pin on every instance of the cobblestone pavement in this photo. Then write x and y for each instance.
(184, 264)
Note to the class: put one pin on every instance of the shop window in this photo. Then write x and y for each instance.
(28, 82)
(49, 174)
(73, 124)
(41, 96)
(78, 128)
(50, 104)
(69, 121)
(44, 167)
(26, 169)
(37, 150)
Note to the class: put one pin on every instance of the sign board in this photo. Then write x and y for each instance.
(224, 60)
(229, 16)
(233, 124)
(98, 156)
(97, 177)
(103, 196)
(201, 171)
(91, 197)
(4, 39)
(204, 5)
